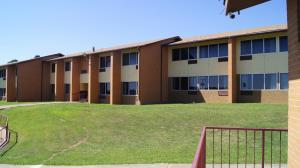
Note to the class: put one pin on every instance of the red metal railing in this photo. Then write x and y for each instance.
(241, 146)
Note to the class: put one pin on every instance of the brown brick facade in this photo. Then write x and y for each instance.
(59, 80)
(116, 88)
(93, 91)
(11, 83)
(232, 82)
(75, 79)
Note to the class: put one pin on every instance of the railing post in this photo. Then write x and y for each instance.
(203, 165)
(263, 149)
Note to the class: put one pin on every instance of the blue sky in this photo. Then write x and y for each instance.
(35, 27)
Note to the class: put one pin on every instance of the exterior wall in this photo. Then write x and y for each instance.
(115, 76)
(130, 99)
(46, 90)
(59, 80)
(84, 65)
(165, 80)
(294, 83)
(93, 86)
(11, 83)
(129, 73)
(75, 79)
(105, 77)
(232, 77)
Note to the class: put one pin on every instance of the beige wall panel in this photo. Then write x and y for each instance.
(67, 78)
(277, 62)
(2, 83)
(104, 76)
(217, 68)
(129, 73)
(84, 78)
(52, 78)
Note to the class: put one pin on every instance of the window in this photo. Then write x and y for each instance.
(258, 81)
(102, 62)
(3, 73)
(213, 83)
(107, 61)
(284, 81)
(271, 81)
(257, 46)
(270, 45)
(203, 82)
(213, 51)
(176, 83)
(53, 68)
(223, 50)
(193, 53)
(104, 89)
(193, 83)
(246, 82)
(52, 89)
(67, 66)
(176, 54)
(130, 59)
(184, 53)
(203, 51)
(283, 43)
(223, 82)
(130, 88)
(184, 83)
(245, 47)
(67, 88)
(2, 92)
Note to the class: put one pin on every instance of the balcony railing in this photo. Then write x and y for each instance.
(4, 132)
(241, 147)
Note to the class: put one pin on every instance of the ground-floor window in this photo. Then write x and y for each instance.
(130, 88)
(2, 92)
(67, 89)
(52, 87)
(104, 89)
(284, 81)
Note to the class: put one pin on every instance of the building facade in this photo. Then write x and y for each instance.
(242, 66)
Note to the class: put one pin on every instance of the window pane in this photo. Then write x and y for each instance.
(126, 59)
(271, 81)
(102, 62)
(203, 51)
(184, 53)
(193, 53)
(213, 51)
(270, 45)
(184, 83)
(107, 88)
(193, 83)
(67, 88)
(283, 43)
(108, 61)
(132, 88)
(258, 81)
(257, 46)
(176, 82)
(102, 88)
(223, 50)
(213, 82)
(175, 54)
(284, 81)
(223, 82)
(246, 47)
(246, 82)
(203, 82)
(53, 68)
(133, 59)
(67, 66)
(125, 88)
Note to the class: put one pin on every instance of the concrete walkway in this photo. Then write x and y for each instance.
(4, 107)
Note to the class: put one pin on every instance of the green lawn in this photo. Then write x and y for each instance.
(82, 134)
(4, 103)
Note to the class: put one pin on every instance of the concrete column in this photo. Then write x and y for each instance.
(59, 80)
(75, 79)
(115, 76)
(93, 91)
(232, 76)
(11, 83)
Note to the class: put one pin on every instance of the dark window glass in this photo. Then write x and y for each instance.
(125, 88)
(102, 89)
(53, 68)
(270, 45)
(193, 53)
(193, 83)
(2, 92)
(246, 82)
(223, 50)
(126, 59)
(52, 89)
(271, 81)
(67, 88)
(67, 66)
(284, 81)
(223, 82)
(283, 42)
(184, 83)
(257, 46)
(258, 81)
(184, 53)
(213, 83)
(108, 88)
(246, 47)
(176, 54)
(3, 73)
(102, 62)
(213, 51)
(176, 83)
(133, 88)
(133, 58)
(203, 52)
(107, 61)
(203, 82)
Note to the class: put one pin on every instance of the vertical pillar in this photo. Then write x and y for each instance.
(11, 83)
(93, 91)
(232, 77)
(59, 80)
(115, 76)
(75, 79)
(165, 79)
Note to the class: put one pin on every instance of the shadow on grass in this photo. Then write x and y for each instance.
(13, 140)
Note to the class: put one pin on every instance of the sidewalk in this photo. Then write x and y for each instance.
(107, 166)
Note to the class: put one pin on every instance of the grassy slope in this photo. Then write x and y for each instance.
(104, 134)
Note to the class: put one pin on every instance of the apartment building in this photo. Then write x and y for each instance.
(241, 66)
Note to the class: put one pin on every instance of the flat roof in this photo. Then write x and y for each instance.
(226, 35)
(237, 5)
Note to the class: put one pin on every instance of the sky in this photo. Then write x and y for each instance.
(42, 27)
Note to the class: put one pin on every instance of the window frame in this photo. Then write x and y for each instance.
(275, 45)
(280, 81)
(196, 56)
(106, 93)
(129, 54)
(219, 56)
(264, 82)
(241, 89)
(280, 44)
(53, 68)
(276, 75)
(247, 54)
(207, 51)
(67, 66)
(128, 90)
(65, 89)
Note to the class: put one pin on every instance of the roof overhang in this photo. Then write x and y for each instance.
(237, 5)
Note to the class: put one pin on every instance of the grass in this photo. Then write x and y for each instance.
(4, 103)
(81, 134)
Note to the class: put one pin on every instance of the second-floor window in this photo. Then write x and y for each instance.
(258, 46)
(3, 73)
(283, 43)
(104, 63)
(67, 66)
(53, 68)
(130, 59)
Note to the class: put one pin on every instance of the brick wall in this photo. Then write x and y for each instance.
(11, 83)
(59, 81)
(93, 91)
(116, 89)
